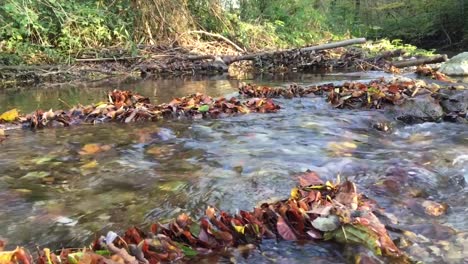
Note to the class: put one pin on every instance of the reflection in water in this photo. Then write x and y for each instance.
(53, 195)
(159, 91)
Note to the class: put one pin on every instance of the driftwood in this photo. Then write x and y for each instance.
(218, 36)
(387, 55)
(230, 59)
(420, 61)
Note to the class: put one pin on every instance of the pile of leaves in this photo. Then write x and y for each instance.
(375, 94)
(427, 71)
(126, 107)
(300, 60)
(316, 211)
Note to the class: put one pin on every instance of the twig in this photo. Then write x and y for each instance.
(67, 104)
(107, 59)
(217, 36)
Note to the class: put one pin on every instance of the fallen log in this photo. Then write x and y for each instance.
(421, 61)
(387, 55)
(231, 59)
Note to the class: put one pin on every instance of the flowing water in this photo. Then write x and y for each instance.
(52, 195)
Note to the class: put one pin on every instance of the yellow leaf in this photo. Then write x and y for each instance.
(7, 256)
(240, 229)
(295, 194)
(10, 116)
(47, 253)
(2, 132)
(90, 165)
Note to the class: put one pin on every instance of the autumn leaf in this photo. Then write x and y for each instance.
(94, 148)
(90, 165)
(9, 116)
(284, 230)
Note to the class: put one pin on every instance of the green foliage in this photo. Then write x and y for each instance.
(376, 47)
(51, 30)
(294, 22)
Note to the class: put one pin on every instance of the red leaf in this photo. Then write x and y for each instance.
(394, 88)
(309, 178)
(284, 230)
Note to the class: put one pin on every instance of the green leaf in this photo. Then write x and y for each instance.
(188, 251)
(357, 234)
(204, 108)
(75, 258)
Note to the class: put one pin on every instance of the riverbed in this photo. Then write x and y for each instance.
(54, 195)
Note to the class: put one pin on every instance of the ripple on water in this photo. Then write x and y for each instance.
(156, 171)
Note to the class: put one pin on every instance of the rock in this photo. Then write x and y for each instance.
(454, 100)
(457, 65)
(418, 109)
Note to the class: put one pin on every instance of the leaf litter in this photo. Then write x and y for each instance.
(128, 107)
(318, 211)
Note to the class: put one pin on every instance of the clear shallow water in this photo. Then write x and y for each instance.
(53, 196)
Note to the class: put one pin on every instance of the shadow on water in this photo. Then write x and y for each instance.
(54, 196)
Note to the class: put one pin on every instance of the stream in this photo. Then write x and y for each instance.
(52, 195)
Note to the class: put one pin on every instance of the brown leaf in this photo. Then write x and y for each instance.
(284, 230)
(94, 148)
(309, 178)
(347, 195)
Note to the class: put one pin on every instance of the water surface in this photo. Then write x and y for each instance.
(54, 196)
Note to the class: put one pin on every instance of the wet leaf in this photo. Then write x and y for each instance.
(90, 149)
(19, 255)
(356, 234)
(433, 208)
(342, 148)
(90, 165)
(328, 223)
(188, 251)
(9, 116)
(172, 186)
(284, 230)
(309, 178)
(36, 175)
(204, 108)
(295, 194)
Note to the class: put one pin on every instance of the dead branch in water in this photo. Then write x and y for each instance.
(420, 61)
(231, 59)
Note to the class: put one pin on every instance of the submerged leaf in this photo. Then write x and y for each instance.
(357, 234)
(90, 149)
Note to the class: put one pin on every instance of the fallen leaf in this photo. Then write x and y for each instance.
(90, 149)
(90, 165)
(328, 223)
(9, 116)
(204, 108)
(356, 234)
(284, 230)
(433, 208)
